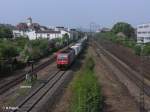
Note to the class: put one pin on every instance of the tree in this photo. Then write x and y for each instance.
(35, 49)
(125, 28)
(7, 50)
(66, 38)
(5, 32)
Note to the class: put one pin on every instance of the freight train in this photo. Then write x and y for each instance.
(66, 58)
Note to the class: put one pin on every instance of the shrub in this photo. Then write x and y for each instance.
(146, 50)
(35, 49)
(5, 32)
(86, 91)
(137, 50)
(7, 50)
(123, 27)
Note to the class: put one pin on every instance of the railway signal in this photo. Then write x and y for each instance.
(31, 75)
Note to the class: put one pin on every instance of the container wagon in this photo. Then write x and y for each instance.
(76, 49)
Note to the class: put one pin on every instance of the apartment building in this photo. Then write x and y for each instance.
(143, 33)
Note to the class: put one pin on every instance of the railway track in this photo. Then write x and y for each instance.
(18, 79)
(6, 85)
(131, 74)
(30, 102)
(127, 56)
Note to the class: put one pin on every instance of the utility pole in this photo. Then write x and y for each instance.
(30, 76)
(92, 28)
(142, 94)
(32, 67)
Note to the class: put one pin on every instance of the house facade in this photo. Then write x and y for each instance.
(143, 33)
(49, 34)
(35, 31)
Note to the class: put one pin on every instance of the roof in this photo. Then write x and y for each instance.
(72, 29)
(48, 31)
(60, 27)
(144, 25)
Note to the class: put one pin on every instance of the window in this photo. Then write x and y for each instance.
(140, 26)
(146, 26)
(147, 38)
(144, 32)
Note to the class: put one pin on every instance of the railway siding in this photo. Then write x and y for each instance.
(127, 56)
(52, 96)
(123, 72)
(37, 95)
(135, 75)
(46, 94)
(14, 80)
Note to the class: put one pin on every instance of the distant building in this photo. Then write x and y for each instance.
(143, 33)
(7, 26)
(35, 31)
(51, 34)
(103, 30)
(29, 21)
(98, 30)
(74, 34)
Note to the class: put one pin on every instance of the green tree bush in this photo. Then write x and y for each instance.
(5, 32)
(86, 91)
(137, 50)
(66, 38)
(123, 27)
(35, 49)
(7, 50)
(146, 50)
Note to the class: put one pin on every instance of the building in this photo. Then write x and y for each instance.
(29, 21)
(49, 34)
(74, 34)
(35, 31)
(105, 29)
(143, 33)
(98, 30)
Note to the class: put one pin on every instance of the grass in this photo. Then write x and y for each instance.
(86, 91)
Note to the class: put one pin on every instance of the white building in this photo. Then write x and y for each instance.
(31, 34)
(18, 33)
(35, 31)
(29, 21)
(143, 33)
(49, 34)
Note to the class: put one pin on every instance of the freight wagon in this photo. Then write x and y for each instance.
(66, 58)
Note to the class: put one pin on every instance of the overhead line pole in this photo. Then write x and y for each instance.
(142, 94)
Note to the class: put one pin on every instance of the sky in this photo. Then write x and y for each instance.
(75, 13)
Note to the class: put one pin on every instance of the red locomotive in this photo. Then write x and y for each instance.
(65, 58)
